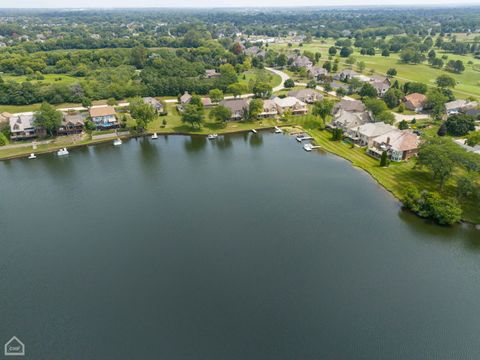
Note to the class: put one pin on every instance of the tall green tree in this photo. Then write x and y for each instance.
(48, 118)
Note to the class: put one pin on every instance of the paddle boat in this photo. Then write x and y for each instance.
(155, 136)
(32, 156)
(62, 152)
(278, 130)
(254, 131)
(117, 142)
(212, 136)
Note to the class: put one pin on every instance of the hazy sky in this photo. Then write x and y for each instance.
(219, 3)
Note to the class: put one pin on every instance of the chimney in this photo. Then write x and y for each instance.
(388, 140)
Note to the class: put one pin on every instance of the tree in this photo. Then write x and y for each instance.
(467, 187)
(282, 60)
(236, 89)
(216, 95)
(436, 63)
(403, 125)
(415, 87)
(237, 48)
(392, 72)
(192, 114)
(392, 97)
(367, 90)
(48, 117)
(385, 52)
(460, 124)
(111, 102)
(445, 81)
(3, 139)
(220, 114)
(322, 108)
(262, 90)
(86, 102)
(346, 52)
(332, 51)
(312, 84)
(361, 66)
(138, 56)
(438, 155)
(474, 139)
(385, 116)
(376, 106)
(340, 92)
(337, 134)
(141, 112)
(255, 108)
(455, 66)
(384, 159)
(289, 83)
(436, 102)
(442, 130)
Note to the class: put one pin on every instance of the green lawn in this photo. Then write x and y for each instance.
(250, 76)
(48, 79)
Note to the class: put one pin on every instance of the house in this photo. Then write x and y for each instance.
(399, 145)
(185, 98)
(290, 103)
(308, 96)
(72, 123)
(252, 51)
(415, 102)
(238, 107)
(381, 87)
(206, 102)
(454, 107)
(157, 105)
(349, 106)
(269, 109)
(363, 135)
(22, 126)
(211, 73)
(318, 73)
(104, 117)
(346, 75)
(346, 120)
(302, 61)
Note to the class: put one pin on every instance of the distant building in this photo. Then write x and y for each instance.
(349, 106)
(211, 73)
(455, 107)
(290, 103)
(104, 117)
(22, 126)
(269, 109)
(346, 120)
(72, 123)
(157, 105)
(238, 107)
(363, 135)
(185, 98)
(308, 96)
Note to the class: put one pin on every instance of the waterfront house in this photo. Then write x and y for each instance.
(157, 105)
(104, 117)
(380, 86)
(292, 104)
(415, 102)
(308, 96)
(22, 126)
(363, 135)
(399, 145)
(269, 109)
(5, 118)
(349, 106)
(346, 120)
(238, 107)
(72, 123)
(206, 102)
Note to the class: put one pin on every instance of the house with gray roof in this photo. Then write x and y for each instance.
(346, 120)
(238, 107)
(363, 135)
(308, 96)
(157, 105)
(72, 123)
(349, 106)
(22, 126)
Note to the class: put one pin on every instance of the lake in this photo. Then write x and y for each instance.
(246, 247)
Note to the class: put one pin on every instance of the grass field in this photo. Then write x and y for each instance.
(262, 75)
(468, 81)
(48, 79)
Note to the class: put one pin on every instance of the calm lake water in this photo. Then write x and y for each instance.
(242, 248)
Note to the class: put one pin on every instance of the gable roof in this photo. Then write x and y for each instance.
(350, 120)
(21, 122)
(416, 99)
(185, 98)
(289, 101)
(349, 105)
(75, 119)
(400, 140)
(374, 129)
(235, 105)
(304, 93)
(102, 111)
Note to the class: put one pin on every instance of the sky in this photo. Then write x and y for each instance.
(219, 3)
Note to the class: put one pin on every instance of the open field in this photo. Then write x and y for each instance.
(251, 76)
(48, 79)
(468, 82)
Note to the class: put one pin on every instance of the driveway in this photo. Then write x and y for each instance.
(401, 117)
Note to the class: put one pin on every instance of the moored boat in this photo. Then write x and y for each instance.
(62, 152)
(155, 136)
(32, 156)
(117, 142)
(212, 136)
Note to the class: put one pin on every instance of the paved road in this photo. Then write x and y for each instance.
(400, 117)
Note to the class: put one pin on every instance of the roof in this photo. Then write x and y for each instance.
(302, 61)
(206, 101)
(455, 104)
(76, 119)
(316, 70)
(416, 99)
(235, 104)
(374, 129)
(102, 111)
(350, 120)
(288, 101)
(304, 93)
(269, 106)
(22, 122)
(152, 101)
(349, 105)
(380, 85)
(4, 116)
(400, 140)
(185, 98)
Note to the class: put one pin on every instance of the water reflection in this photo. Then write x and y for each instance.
(195, 143)
(256, 140)
(224, 142)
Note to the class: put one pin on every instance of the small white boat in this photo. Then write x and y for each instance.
(117, 142)
(254, 131)
(212, 136)
(308, 147)
(32, 156)
(302, 138)
(278, 130)
(62, 152)
(155, 136)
